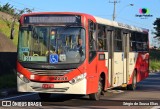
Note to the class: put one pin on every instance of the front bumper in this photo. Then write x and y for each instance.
(61, 88)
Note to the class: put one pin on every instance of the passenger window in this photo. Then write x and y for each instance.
(118, 41)
(133, 42)
(102, 38)
(141, 42)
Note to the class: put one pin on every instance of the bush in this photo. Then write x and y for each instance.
(154, 65)
(154, 60)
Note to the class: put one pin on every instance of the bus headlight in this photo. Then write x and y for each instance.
(22, 77)
(78, 78)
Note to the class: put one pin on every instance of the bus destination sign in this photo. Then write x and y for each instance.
(47, 19)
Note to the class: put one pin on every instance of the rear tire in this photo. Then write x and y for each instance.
(96, 96)
(44, 96)
(134, 82)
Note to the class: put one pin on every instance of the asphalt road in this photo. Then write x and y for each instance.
(147, 96)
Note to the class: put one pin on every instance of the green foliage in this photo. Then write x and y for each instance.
(157, 28)
(154, 60)
(155, 55)
(6, 30)
(154, 65)
(7, 8)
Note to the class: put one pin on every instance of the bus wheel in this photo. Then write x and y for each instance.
(96, 96)
(44, 96)
(134, 82)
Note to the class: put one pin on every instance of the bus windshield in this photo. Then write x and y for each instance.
(52, 45)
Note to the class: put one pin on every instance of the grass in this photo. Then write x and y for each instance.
(154, 65)
(6, 30)
(8, 81)
(154, 60)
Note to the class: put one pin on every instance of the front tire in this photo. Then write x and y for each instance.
(134, 82)
(96, 96)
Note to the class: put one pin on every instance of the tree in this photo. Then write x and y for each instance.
(7, 8)
(157, 28)
(16, 15)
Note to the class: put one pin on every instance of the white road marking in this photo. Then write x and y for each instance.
(115, 91)
(17, 96)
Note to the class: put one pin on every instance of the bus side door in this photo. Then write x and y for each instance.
(118, 58)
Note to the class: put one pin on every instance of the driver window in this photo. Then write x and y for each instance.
(92, 40)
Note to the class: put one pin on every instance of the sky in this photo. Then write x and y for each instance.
(101, 8)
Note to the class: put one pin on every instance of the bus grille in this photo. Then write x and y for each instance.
(49, 72)
(51, 89)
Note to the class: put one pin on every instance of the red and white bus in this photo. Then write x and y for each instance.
(77, 53)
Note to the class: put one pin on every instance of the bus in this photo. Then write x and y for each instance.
(77, 53)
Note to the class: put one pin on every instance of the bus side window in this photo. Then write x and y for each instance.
(139, 42)
(132, 42)
(92, 41)
(102, 38)
(145, 42)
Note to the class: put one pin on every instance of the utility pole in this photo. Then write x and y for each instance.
(114, 9)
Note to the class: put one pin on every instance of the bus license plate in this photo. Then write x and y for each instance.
(47, 86)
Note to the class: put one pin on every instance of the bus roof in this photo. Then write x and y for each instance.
(119, 25)
(97, 19)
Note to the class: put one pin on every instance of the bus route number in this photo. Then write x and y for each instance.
(27, 58)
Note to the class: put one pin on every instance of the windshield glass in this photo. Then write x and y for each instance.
(52, 44)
